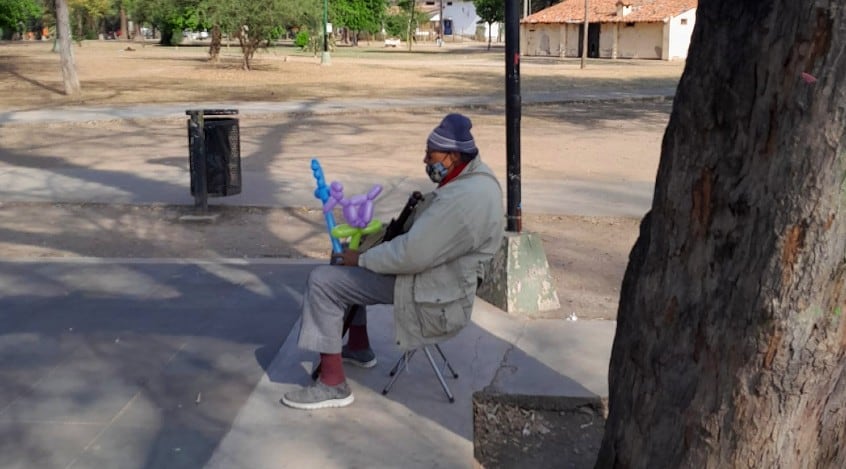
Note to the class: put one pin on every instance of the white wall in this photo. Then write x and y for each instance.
(541, 40)
(641, 41)
(679, 35)
(463, 16)
(571, 32)
(667, 41)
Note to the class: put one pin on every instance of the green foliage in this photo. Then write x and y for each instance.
(171, 17)
(358, 15)
(301, 40)
(255, 24)
(398, 25)
(264, 20)
(94, 9)
(490, 11)
(14, 13)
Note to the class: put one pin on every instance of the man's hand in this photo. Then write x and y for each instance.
(349, 258)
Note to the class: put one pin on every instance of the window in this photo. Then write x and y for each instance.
(449, 3)
(630, 25)
(684, 21)
(430, 2)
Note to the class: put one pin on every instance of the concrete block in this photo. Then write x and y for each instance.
(519, 281)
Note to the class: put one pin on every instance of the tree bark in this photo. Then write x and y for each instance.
(731, 338)
(411, 23)
(248, 47)
(214, 47)
(490, 34)
(63, 33)
(124, 26)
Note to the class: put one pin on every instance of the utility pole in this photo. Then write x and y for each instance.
(585, 36)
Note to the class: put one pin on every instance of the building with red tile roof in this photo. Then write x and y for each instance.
(640, 29)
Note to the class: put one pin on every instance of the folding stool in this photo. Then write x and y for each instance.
(406, 357)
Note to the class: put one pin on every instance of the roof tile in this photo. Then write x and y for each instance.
(605, 11)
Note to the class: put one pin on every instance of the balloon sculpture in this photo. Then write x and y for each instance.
(358, 212)
(322, 193)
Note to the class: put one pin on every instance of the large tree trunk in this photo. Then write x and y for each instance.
(214, 47)
(124, 26)
(65, 51)
(411, 24)
(248, 47)
(731, 340)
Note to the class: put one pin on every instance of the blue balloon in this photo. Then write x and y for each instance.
(322, 194)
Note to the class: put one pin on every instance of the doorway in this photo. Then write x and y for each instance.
(593, 40)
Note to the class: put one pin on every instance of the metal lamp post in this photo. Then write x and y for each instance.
(513, 104)
(325, 59)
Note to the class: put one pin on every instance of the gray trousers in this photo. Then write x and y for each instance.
(329, 290)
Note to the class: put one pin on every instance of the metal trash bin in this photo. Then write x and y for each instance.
(214, 146)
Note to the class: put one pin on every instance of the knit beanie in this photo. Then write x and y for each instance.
(453, 134)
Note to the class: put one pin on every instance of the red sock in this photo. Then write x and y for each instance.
(331, 369)
(358, 338)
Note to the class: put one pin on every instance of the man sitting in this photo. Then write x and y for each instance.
(429, 274)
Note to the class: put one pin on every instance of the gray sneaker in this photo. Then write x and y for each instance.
(364, 358)
(319, 396)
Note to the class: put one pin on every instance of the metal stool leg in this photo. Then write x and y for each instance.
(397, 369)
(404, 358)
(438, 373)
(446, 362)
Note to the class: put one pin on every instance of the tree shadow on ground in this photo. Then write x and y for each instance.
(153, 356)
(129, 342)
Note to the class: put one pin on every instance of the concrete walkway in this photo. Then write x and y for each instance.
(181, 363)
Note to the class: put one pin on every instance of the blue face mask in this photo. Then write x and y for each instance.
(437, 172)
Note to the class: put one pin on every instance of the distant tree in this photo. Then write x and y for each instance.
(170, 17)
(256, 24)
(404, 23)
(358, 15)
(71, 81)
(491, 11)
(14, 13)
(88, 14)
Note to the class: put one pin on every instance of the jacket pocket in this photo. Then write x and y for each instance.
(440, 319)
(439, 301)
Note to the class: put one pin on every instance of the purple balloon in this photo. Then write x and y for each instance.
(377, 189)
(358, 209)
(366, 213)
(351, 214)
(336, 191)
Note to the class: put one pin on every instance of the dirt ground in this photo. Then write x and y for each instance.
(611, 143)
(515, 432)
(110, 74)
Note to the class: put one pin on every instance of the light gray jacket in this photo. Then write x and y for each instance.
(456, 231)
